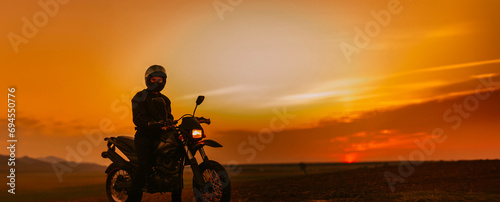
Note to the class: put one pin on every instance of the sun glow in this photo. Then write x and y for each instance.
(350, 158)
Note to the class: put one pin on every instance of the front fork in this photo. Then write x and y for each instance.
(203, 154)
(199, 180)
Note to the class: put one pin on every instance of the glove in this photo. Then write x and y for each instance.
(155, 87)
(170, 124)
(156, 123)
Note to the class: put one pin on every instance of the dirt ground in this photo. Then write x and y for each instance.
(456, 181)
(463, 180)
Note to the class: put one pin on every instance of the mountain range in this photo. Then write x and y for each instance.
(45, 164)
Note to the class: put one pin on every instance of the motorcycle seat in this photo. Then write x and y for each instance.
(127, 140)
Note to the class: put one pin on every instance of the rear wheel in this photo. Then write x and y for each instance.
(217, 183)
(115, 183)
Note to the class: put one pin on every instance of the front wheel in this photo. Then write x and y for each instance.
(115, 189)
(217, 183)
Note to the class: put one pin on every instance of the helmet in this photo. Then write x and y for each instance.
(153, 71)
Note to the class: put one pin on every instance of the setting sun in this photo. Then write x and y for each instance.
(350, 158)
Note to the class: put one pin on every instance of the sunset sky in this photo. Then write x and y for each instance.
(407, 63)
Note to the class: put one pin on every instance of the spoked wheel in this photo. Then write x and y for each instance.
(115, 184)
(217, 183)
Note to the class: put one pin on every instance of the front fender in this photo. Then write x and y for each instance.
(202, 143)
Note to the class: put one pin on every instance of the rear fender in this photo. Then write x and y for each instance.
(118, 160)
(125, 149)
(127, 166)
(110, 167)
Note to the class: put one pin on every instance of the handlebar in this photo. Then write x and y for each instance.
(174, 122)
(204, 120)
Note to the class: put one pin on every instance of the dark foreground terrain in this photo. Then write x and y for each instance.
(462, 180)
(459, 180)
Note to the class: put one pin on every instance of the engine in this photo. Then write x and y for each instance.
(167, 174)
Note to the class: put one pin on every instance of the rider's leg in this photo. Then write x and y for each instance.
(177, 195)
(144, 148)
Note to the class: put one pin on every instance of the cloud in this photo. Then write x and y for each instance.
(220, 91)
(339, 139)
(395, 90)
(28, 127)
(444, 68)
(386, 134)
(382, 139)
(310, 96)
(386, 142)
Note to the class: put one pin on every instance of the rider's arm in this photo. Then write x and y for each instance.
(139, 111)
(169, 109)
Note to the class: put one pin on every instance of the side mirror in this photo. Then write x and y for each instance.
(200, 99)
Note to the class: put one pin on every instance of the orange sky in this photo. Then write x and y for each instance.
(84, 61)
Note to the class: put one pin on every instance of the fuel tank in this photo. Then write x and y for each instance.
(167, 144)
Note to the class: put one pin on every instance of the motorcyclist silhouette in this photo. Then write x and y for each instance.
(151, 112)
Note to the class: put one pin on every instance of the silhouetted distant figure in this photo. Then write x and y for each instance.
(303, 167)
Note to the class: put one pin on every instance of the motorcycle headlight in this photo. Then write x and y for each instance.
(197, 133)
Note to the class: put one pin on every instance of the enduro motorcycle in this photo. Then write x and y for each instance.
(175, 150)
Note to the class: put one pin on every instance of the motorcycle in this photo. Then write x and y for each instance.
(176, 149)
